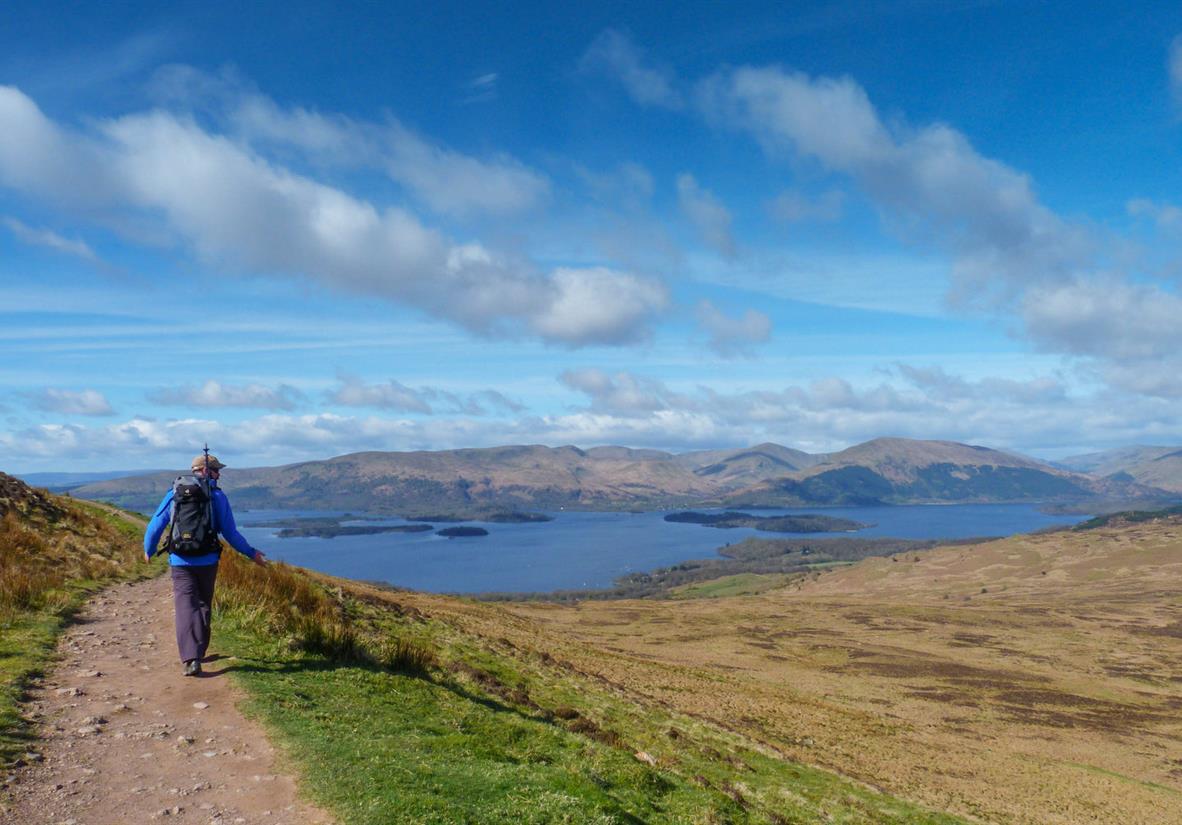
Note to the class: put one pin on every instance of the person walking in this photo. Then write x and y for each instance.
(197, 511)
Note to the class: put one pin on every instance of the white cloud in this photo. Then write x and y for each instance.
(72, 402)
(793, 206)
(1033, 414)
(50, 239)
(216, 394)
(730, 337)
(599, 305)
(708, 215)
(445, 180)
(481, 89)
(624, 393)
(393, 395)
(940, 385)
(238, 209)
(628, 183)
(1107, 319)
(1064, 280)
(613, 53)
(1165, 215)
(929, 183)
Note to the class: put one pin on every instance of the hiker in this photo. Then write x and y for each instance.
(194, 550)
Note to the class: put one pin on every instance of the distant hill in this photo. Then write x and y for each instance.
(903, 471)
(1159, 467)
(534, 477)
(58, 482)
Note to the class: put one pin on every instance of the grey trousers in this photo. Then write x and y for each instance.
(192, 599)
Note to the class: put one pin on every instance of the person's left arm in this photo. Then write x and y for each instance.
(229, 530)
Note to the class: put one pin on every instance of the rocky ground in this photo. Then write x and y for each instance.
(124, 737)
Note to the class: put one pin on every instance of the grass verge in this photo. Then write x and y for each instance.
(54, 553)
(392, 713)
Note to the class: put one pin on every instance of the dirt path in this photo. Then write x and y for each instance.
(126, 739)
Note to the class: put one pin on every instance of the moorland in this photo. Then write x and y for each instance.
(1032, 679)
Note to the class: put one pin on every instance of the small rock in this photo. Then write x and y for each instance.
(70, 691)
(87, 730)
(184, 740)
(94, 720)
(33, 756)
(646, 758)
(201, 705)
(94, 674)
(210, 754)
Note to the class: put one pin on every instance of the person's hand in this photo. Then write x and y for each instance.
(259, 558)
(147, 558)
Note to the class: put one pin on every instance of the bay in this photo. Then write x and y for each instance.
(583, 550)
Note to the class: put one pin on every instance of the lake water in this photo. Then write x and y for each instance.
(580, 550)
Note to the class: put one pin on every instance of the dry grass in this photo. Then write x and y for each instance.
(41, 558)
(313, 616)
(1053, 697)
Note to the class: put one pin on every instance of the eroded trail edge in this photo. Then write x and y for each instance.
(124, 737)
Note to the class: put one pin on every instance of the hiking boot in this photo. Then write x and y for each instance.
(192, 668)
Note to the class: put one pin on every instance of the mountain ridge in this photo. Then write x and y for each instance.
(533, 476)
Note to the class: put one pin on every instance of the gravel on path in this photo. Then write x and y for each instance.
(123, 737)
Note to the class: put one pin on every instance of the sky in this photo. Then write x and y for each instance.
(303, 229)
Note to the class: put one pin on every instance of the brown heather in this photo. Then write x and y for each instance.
(48, 544)
(312, 616)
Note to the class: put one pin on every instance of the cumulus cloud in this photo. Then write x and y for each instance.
(238, 209)
(1010, 253)
(707, 214)
(624, 393)
(72, 402)
(1111, 319)
(50, 239)
(939, 385)
(635, 410)
(216, 394)
(929, 183)
(1166, 216)
(613, 53)
(731, 337)
(794, 206)
(353, 391)
(447, 181)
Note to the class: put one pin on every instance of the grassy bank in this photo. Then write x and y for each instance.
(396, 713)
(395, 707)
(54, 553)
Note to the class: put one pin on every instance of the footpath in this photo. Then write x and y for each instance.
(125, 738)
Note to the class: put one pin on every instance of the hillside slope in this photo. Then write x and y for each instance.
(905, 471)
(394, 707)
(1159, 467)
(1030, 680)
(548, 478)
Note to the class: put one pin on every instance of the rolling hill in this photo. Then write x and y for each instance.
(1159, 467)
(886, 470)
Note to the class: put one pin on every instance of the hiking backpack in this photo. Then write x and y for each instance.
(192, 532)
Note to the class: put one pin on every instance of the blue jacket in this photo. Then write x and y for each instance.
(223, 522)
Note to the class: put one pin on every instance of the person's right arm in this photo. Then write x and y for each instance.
(157, 526)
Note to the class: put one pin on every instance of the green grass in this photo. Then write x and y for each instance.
(484, 733)
(393, 716)
(742, 584)
(30, 625)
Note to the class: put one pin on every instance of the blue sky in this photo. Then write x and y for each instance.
(297, 231)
